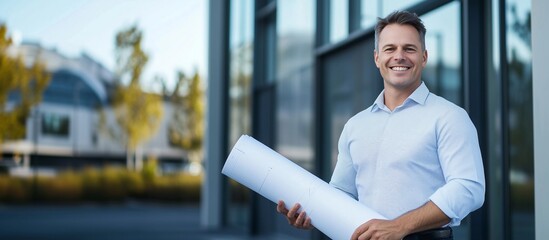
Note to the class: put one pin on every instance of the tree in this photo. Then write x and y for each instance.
(26, 85)
(186, 130)
(137, 113)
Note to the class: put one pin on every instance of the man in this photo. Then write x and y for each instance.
(412, 156)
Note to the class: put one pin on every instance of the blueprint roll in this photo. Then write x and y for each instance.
(274, 177)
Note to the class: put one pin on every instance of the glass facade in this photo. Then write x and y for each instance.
(495, 160)
(442, 75)
(240, 79)
(519, 118)
(339, 20)
(57, 125)
(372, 9)
(297, 78)
(294, 96)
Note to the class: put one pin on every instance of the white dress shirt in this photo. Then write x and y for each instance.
(396, 161)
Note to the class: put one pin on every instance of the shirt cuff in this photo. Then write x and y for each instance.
(438, 199)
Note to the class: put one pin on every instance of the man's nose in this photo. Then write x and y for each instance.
(399, 55)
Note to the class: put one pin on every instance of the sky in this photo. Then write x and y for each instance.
(174, 31)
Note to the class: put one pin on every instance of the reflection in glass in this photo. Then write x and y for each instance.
(519, 115)
(270, 53)
(494, 190)
(372, 9)
(240, 76)
(295, 39)
(339, 20)
(442, 74)
(443, 71)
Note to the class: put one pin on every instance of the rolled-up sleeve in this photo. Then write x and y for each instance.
(461, 162)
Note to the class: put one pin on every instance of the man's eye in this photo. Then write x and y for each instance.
(389, 49)
(410, 49)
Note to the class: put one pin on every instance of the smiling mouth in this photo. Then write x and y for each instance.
(399, 68)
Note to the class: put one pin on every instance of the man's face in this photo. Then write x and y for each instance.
(400, 57)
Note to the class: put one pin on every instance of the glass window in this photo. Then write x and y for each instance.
(294, 108)
(351, 84)
(443, 42)
(372, 9)
(240, 76)
(442, 75)
(55, 124)
(494, 189)
(339, 19)
(519, 118)
(270, 53)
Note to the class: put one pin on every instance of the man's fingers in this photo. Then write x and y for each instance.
(359, 231)
(295, 218)
(291, 214)
(281, 208)
(299, 222)
(307, 223)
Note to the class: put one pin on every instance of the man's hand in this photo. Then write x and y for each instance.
(425, 217)
(298, 220)
(379, 229)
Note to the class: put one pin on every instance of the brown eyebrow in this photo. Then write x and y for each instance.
(405, 46)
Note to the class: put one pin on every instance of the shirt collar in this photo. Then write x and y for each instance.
(419, 96)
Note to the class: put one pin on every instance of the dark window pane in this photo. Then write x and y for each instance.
(519, 114)
(55, 124)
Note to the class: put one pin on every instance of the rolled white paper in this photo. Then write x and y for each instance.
(273, 176)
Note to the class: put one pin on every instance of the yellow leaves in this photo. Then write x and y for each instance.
(187, 126)
(138, 113)
(27, 84)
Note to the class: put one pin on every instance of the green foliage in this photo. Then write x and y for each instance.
(186, 130)
(65, 188)
(175, 188)
(15, 78)
(137, 113)
(109, 184)
(522, 196)
(14, 190)
(150, 170)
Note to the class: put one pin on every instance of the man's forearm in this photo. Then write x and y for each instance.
(425, 217)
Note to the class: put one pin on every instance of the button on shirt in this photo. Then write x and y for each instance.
(396, 161)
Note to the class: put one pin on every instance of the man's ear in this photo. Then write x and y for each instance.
(425, 56)
(376, 58)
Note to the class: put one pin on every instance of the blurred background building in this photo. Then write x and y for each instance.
(73, 125)
(290, 73)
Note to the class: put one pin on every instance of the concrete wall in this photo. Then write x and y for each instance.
(540, 51)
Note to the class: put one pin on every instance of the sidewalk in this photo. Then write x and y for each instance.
(133, 221)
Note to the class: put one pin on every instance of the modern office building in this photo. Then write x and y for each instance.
(75, 125)
(291, 73)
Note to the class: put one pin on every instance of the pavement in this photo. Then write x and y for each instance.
(133, 221)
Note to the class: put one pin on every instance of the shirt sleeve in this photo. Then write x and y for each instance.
(344, 174)
(461, 163)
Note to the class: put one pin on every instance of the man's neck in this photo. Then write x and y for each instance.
(394, 97)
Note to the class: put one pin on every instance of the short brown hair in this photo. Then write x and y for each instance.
(402, 18)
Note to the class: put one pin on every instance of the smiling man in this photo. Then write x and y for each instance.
(412, 156)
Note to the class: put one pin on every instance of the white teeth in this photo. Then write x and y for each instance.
(400, 68)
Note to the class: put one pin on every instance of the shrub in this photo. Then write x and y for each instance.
(15, 190)
(108, 184)
(175, 188)
(64, 188)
